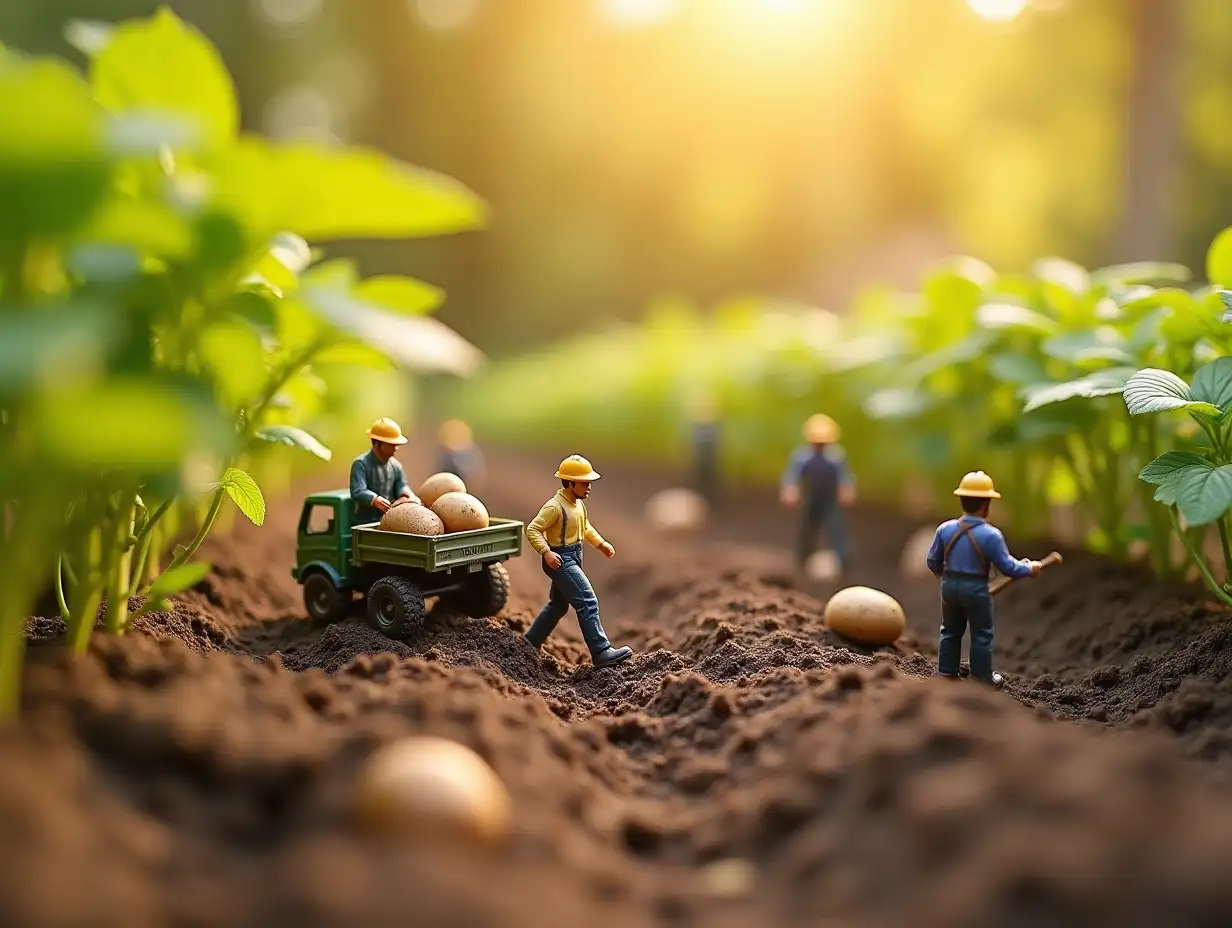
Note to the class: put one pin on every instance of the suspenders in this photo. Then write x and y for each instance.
(564, 523)
(965, 530)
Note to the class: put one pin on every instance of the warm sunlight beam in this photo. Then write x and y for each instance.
(632, 13)
(997, 10)
(445, 14)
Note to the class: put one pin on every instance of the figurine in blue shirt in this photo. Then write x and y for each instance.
(378, 482)
(817, 473)
(961, 554)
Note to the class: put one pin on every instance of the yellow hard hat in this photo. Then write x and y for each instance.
(821, 430)
(388, 431)
(576, 467)
(455, 434)
(979, 484)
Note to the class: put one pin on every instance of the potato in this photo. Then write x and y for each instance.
(865, 615)
(433, 789)
(914, 561)
(461, 512)
(413, 519)
(677, 510)
(438, 485)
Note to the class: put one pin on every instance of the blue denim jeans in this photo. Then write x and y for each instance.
(817, 515)
(570, 588)
(966, 602)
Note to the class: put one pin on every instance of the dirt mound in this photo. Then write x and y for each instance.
(200, 769)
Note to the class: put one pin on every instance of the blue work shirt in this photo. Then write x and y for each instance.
(963, 558)
(467, 463)
(371, 478)
(819, 472)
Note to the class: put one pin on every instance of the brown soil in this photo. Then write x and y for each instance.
(199, 772)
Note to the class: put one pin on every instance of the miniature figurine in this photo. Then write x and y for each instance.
(818, 472)
(705, 422)
(963, 569)
(459, 454)
(563, 519)
(378, 482)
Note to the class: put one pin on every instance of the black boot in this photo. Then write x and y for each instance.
(609, 656)
(534, 642)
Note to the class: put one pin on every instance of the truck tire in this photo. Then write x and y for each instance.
(396, 607)
(324, 602)
(485, 593)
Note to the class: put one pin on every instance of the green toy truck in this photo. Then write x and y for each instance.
(396, 571)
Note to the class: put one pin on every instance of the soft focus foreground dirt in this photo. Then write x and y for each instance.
(199, 773)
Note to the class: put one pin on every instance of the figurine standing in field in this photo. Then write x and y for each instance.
(961, 554)
(817, 474)
(705, 423)
(557, 533)
(378, 482)
(459, 453)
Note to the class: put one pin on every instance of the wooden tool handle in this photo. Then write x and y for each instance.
(1002, 582)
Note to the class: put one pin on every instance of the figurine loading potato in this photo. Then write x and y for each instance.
(558, 533)
(378, 482)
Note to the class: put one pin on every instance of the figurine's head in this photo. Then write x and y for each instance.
(576, 474)
(976, 493)
(455, 435)
(386, 436)
(821, 430)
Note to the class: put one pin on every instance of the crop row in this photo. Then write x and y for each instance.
(164, 319)
(1046, 379)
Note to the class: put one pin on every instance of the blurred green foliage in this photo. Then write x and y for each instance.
(164, 319)
(1017, 374)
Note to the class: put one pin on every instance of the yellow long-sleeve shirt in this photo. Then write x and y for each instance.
(543, 531)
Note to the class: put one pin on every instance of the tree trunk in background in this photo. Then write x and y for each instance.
(1147, 228)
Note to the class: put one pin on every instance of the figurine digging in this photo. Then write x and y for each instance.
(557, 533)
(378, 482)
(817, 472)
(962, 551)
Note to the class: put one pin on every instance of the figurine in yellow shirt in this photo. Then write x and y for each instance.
(557, 533)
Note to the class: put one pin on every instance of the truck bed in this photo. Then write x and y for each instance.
(502, 539)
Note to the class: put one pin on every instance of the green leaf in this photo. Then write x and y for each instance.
(1072, 277)
(1154, 390)
(1020, 369)
(161, 66)
(88, 36)
(294, 437)
(328, 194)
(254, 307)
(1103, 343)
(1219, 259)
(1225, 297)
(233, 355)
(244, 491)
(351, 352)
(896, 403)
(1142, 272)
(1101, 383)
(1008, 315)
(1203, 494)
(417, 343)
(401, 294)
(1166, 467)
(178, 579)
(1213, 383)
(43, 347)
(1166, 493)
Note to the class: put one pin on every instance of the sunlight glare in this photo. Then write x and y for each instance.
(637, 12)
(997, 10)
(445, 14)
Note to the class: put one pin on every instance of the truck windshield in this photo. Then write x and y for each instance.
(320, 520)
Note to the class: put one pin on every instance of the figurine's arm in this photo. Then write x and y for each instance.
(936, 555)
(593, 536)
(795, 465)
(999, 554)
(536, 529)
(359, 484)
(401, 490)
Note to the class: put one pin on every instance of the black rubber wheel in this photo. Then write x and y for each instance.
(396, 607)
(324, 602)
(485, 593)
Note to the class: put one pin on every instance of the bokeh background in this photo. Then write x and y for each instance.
(804, 148)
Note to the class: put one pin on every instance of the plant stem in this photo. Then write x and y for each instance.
(1227, 552)
(1198, 560)
(22, 552)
(204, 530)
(81, 625)
(153, 520)
(120, 560)
(61, 602)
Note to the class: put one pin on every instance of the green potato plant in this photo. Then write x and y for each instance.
(166, 314)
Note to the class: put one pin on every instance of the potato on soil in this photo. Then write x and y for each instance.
(413, 519)
(433, 789)
(461, 512)
(438, 485)
(677, 510)
(865, 615)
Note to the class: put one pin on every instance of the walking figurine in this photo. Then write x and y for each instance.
(378, 482)
(557, 533)
(818, 473)
(961, 553)
(459, 454)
